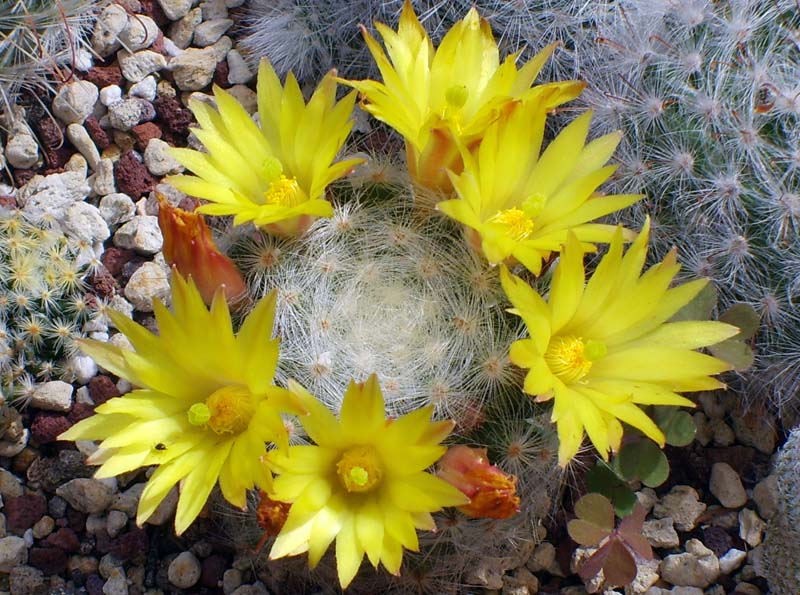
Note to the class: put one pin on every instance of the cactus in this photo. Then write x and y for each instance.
(780, 559)
(39, 38)
(42, 305)
(309, 37)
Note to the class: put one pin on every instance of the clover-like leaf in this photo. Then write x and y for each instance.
(745, 318)
(737, 353)
(645, 461)
(678, 426)
(595, 520)
(604, 480)
(700, 308)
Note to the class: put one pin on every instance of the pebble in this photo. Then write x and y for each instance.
(116, 522)
(703, 434)
(137, 65)
(10, 485)
(111, 21)
(11, 448)
(52, 195)
(214, 9)
(108, 564)
(81, 140)
(128, 500)
(83, 368)
(184, 570)
(751, 527)
(158, 160)
(141, 233)
(726, 486)
(209, 32)
(149, 282)
(765, 495)
(77, 163)
(74, 102)
(44, 527)
(127, 113)
(231, 580)
(721, 433)
(83, 221)
(747, 589)
(22, 150)
(175, 9)
(117, 208)
(102, 181)
(732, 560)
(165, 510)
(13, 552)
(145, 88)
(756, 429)
(117, 583)
(181, 31)
(661, 533)
(193, 69)
(52, 396)
(698, 567)
(258, 588)
(26, 580)
(683, 505)
(110, 94)
(239, 72)
(86, 494)
(140, 33)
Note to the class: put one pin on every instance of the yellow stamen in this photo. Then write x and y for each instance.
(284, 192)
(517, 223)
(227, 411)
(359, 469)
(570, 358)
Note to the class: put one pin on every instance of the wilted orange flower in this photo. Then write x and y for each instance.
(188, 246)
(270, 516)
(492, 492)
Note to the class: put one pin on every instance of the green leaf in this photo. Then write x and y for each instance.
(603, 480)
(700, 308)
(745, 318)
(645, 461)
(585, 533)
(596, 509)
(737, 353)
(678, 426)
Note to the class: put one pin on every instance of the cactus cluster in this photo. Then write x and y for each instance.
(39, 43)
(708, 97)
(780, 559)
(43, 307)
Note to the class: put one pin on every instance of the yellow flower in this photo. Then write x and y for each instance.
(519, 204)
(205, 408)
(440, 98)
(606, 347)
(274, 174)
(363, 483)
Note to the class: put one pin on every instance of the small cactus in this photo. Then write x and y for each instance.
(780, 559)
(42, 305)
(39, 39)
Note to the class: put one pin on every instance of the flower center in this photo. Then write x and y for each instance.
(570, 358)
(518, 225)
(284, 192)
(359, 469)
(227, 411)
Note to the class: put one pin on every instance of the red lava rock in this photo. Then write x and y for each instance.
(23, 511)
(50, 132)
(94, 584)
(9, 202)
(76, 520)
(158, 44)
(47, 426)
(221, 74)
(132, 176)
(64, 539)
(717, 540)
(49, 560)
(79, 411)
(143, 133)
(23, 176)
(173, 115)
(153, 9)
(129, 545)
(56, 159)
(97, 134)
(104, 283)
(103, 76)
(188, 203)
(102, 388)
(115, 258)
(212, 570)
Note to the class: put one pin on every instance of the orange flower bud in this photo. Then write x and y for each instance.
(271, 516)
(492, 492)
(188, 246)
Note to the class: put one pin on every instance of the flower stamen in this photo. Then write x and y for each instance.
(284, 192)
(359, 469)
(227, 411)
(518, 224)
(570, 358)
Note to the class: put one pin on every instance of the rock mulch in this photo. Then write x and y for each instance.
(94, 168)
